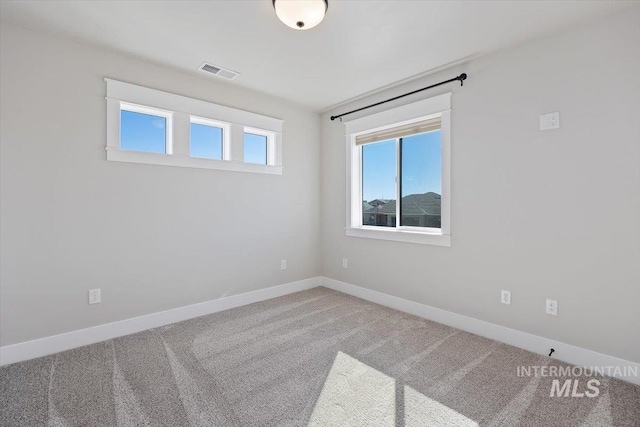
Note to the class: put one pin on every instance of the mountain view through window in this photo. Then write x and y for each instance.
(420, 186)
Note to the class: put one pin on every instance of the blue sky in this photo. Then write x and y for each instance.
(421, 170)
(142, 132)
(145, 132)
(255, 148)
(206, 141)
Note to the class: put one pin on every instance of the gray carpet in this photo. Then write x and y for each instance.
(317, 357)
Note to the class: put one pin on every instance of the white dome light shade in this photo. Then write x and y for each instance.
(301, 14)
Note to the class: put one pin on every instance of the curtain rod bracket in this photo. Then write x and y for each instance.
(461, 78)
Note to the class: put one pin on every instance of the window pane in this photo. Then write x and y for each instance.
(379, 184)
(143, 132)
(255, 148)
(421, 180)
(206, 141)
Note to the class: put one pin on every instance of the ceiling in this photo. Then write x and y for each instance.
(361, 46)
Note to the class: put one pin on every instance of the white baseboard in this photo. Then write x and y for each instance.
(57, 343)
(536, 344)
(565, 352)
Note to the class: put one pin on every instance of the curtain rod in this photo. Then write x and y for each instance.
(461, 78)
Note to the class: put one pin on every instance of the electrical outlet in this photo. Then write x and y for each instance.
(94, 296)
(505, 297)
(552, 307)
(283, 264)
(345, 263)
(550, 121)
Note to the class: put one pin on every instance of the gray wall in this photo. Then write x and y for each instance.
(544, 214)
(151, 237)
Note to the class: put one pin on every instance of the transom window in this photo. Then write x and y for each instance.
(144, 129)
(207, 139)
(160, 128)
(255, 148)
(259, 146)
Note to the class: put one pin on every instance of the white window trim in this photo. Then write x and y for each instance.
(431, 107)
(182, 110)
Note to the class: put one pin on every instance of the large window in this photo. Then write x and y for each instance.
(400, 175)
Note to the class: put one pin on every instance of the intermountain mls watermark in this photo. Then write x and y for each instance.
(581, 381)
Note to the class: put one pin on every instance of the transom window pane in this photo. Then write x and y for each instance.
(379, 184)
(206, 141)
(421, 180)
(255, 148)
(143, 132)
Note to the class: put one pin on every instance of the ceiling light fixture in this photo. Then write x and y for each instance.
(301, 14)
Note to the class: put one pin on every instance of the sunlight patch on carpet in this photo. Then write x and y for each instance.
(419, 411)
(355, 394)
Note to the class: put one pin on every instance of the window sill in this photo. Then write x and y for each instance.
(128, 156)
(401, 236)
